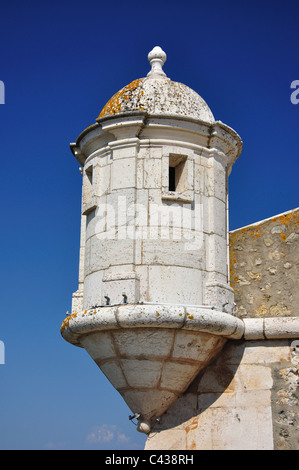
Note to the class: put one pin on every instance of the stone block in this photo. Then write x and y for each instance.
(152, 173)
(219, 379)
(103, 181)
(254, 328)
(163, 441)
(151, 316)
(120, 288)
(255, 377)
(215, 179)
(142, 273)
(220, 295)
(141, 373)
(214, 216)
(193, 346)
(177, 376)
(123, 173)
(93, 290)
(132, 343)
(264, 353)
(114, 373)
(216, 400)
(77, 301)
(216, 254)
(171, 253)
(175, 285)
(199, 432)
(275, 327)
(107, 252)
(199, 179)
(99, 346)
(155, 152)
(177, 416)
(242, 429)
(254, 398)
(153, 402)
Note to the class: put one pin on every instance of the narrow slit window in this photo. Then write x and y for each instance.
(172, 172)
(177, 178)
(177, 173)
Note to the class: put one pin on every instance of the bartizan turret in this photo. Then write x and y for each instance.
(154, 305)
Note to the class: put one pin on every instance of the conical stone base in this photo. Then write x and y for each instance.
(151, 367)
(151, 354)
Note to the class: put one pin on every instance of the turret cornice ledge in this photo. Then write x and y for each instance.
(203, 319)
(215, 136)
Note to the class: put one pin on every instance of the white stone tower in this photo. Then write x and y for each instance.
(154, 305)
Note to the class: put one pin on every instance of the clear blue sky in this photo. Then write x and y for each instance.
(61, 61)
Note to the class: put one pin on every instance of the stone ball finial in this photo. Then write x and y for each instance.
(156, 57)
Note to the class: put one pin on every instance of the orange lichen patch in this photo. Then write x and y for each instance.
(190, 316)
(67, 320)
(114, 105)
(193, 425)
(283, 237)
(257, 233)
(254, 231)
(191, 446)
(284, 219)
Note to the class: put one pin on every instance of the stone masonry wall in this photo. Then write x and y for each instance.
(264, 267)
(247, 399)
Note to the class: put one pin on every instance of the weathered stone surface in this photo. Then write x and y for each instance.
(150, 348)
(264, 261)
(114, 373)
(130, 321)
(131, 342)
(271, 328)
(158, 96)
(247, 399)
(285, 401)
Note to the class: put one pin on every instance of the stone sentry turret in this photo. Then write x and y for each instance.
(154, 305)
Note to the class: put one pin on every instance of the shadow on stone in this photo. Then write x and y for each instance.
(206, 388)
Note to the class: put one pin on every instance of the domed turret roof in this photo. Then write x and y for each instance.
(156, 94)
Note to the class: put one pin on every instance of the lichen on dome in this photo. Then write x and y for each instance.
(158, 95)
